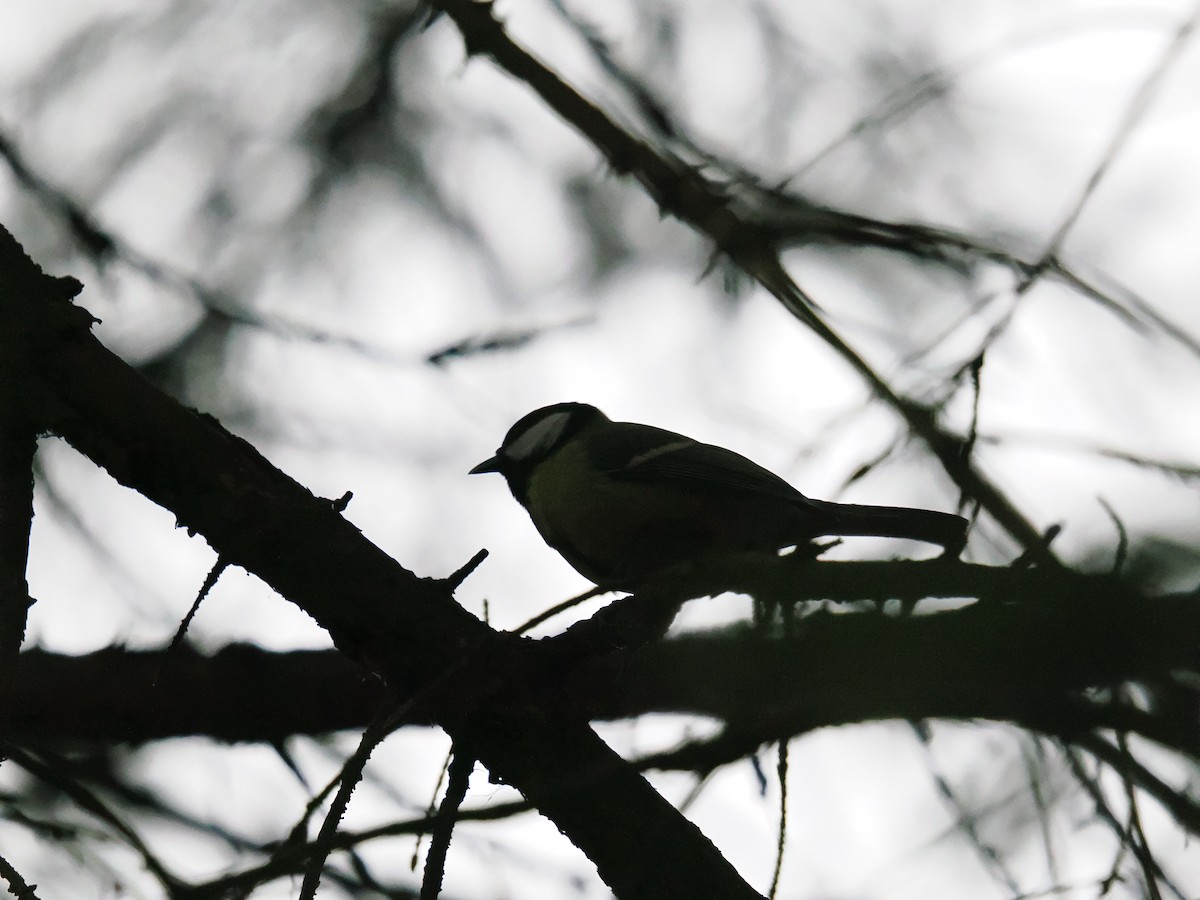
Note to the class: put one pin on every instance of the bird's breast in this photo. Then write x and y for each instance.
(578, 511)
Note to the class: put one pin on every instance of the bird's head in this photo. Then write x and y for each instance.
(537, 436)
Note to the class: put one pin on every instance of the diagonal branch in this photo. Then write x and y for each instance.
(1128, 123)
(684, 192)
(406, 629)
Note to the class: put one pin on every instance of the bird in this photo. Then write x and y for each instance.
(621, 501)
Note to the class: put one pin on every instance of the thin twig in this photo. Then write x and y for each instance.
(1141, 847)
(782, 770)
(966, 821)
(209, 583)
(1132, 116)
(51, 771)
(443, 823)
(347, 779)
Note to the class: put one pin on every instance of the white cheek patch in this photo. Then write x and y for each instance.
(540, 438)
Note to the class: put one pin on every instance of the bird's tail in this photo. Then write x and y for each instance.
(851, 519)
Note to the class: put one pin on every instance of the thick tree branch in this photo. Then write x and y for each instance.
(20, 342)
(18, 441)
(406, 629)
(241, 693)
(1049, 654)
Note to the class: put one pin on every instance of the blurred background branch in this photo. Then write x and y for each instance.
(318, 223)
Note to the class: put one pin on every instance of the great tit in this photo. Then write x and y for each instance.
(622, 501)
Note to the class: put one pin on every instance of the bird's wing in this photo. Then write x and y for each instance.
(644, 453)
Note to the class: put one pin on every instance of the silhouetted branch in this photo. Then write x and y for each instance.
(685, 192)
(44, 767)
(17, 886)
(407, 629)
(1041, 648)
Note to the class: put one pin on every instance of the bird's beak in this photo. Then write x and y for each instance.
(488, 465)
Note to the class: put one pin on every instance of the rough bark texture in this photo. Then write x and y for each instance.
(408, 630)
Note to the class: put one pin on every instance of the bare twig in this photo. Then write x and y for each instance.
(966, 821)
(686, 193)
(443, 823)
(465, 570)
(292, 857)
(1141, 848)
(347, 780)
(16, 884)
(1132, 116)
(210, 582)
(782, 770)
(46, 769)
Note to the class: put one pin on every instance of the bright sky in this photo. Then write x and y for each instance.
(188, 133)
